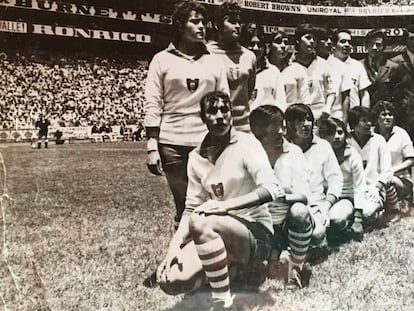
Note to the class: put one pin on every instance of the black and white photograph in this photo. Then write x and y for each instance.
(207, 155)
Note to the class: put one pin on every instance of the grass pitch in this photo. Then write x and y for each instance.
(89, 223)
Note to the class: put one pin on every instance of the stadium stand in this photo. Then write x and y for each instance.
(70, 90)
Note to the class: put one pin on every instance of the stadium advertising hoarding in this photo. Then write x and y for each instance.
(276, 7)
(12, 26)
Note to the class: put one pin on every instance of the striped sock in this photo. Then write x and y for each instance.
(299, 241)
(391, 198)
(213, 257)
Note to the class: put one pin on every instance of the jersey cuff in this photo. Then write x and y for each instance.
(152, 132)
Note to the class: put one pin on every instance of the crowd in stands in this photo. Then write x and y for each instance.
(70, 91)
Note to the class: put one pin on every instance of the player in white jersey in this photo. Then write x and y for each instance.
(359, 95)
(177, 79)
(320, 84)
(354, 183)
(291, 218)
(376, 159)
(402, 153)
(239, 62)
(230, 179)
(294, 78)
(324, 168)
(269, 88)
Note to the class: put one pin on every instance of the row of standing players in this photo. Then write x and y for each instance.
(221, 206)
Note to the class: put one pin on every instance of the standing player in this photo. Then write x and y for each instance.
(269, 87)
(177, 79)
(239, 62)
(376, 159)
(318, 72)
(294, 77)
(359, 95)
(43, 125)
(230, 179)
(291, 218)
(324, 168)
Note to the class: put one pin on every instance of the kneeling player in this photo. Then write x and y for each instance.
(354, 187)
(376, 159)
(291, 218)
(325, 174)
(230, 179)
(402, 154)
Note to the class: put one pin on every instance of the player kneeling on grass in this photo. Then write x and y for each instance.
(402, 154)
(230, 179)
(376, 159)
(341, 214)
(325, 174)
(291, 218)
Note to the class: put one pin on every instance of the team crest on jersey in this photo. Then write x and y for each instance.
(192, 84)
(234, 73)
(218, 190)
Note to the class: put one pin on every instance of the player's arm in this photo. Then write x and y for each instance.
(153, 111)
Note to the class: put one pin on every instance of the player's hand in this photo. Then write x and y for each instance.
(324, 210)
(211, 207)
(164, 268)
(154, 162)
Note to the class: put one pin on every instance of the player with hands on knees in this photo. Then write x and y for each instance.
(376, 159)
(177, 79)
(292, 221)
(326, 178)
(226, 218)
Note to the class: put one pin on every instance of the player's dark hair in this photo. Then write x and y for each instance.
(382, 106)
(375, 33)
(335, 36)
(261, 117)
(357, 113)
(209, 99)
(183, 11)
(230, 10)
(297, 112)
(327, 127)
(303, 30)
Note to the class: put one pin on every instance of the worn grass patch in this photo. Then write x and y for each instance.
(89, 223)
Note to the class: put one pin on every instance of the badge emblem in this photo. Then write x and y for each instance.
(192, 84)
(218, 190)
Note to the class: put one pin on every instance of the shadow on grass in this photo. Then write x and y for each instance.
(244, 300)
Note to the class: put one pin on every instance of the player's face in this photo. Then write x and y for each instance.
(343, 47)
(307, 44)
(385, 119)
(279, 46)
(325, 46)
(337, 139)
(256, 46)
(194, 29)
(218, 117)
(363, 128)
(303, 128)
(410, 42)
(231, 28)
(274, 134)
(375, 47)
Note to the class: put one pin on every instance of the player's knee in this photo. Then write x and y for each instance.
(299, 213)
(318, 234)
(197, 225)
